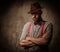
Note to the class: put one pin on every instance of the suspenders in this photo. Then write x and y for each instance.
(30, 28)
(42, 28)
(27, 50)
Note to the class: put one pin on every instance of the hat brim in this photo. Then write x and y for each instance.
(34, 11)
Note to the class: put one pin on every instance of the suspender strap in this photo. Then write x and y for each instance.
(42, 28)
(29, 29)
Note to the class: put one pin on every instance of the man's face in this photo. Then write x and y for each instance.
(35, 16)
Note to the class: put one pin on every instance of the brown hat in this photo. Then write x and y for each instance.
(35, 7)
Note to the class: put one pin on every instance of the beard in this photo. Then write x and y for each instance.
(38, 20)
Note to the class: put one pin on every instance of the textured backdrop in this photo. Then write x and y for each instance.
(14, 15)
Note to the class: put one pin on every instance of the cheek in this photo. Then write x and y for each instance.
(32, 16)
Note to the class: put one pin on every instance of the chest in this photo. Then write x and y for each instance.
(35, 31)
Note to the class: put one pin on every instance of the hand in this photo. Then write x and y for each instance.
(28, 38)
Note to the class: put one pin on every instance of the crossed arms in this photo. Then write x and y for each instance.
(29, 41)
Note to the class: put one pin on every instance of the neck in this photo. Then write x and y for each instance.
(38, 21)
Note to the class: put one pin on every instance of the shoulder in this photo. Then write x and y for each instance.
(27, 24)
(48, 25)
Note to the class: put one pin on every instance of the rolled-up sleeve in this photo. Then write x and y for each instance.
(24, 31)
(49, 31)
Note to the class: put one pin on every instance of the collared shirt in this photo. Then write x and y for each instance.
(35, 30)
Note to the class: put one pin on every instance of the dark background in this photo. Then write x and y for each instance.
(12, 21)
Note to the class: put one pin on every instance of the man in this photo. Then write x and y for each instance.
(36, 35)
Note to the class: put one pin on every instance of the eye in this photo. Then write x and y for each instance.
(36, 15)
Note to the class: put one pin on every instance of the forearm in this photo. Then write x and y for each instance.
(38, 41)
(26, 43)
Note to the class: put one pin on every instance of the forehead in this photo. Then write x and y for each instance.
(35, 14)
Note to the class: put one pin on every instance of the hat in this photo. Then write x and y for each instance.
(35, 7)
